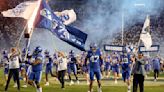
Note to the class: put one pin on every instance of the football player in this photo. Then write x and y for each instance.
(126, 69)
(37, 65)
(107, 67)
(49, 64)
(5, 63)
(72, 67)
(94, 58)
(115, 66)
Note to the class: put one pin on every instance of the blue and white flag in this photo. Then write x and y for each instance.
(23, 10)
(145, 34)
(67, 16)
(48, 20)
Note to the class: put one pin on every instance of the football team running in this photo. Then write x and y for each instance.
(92, 64)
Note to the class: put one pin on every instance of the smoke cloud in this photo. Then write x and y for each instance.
(102, 19)
(105, 16)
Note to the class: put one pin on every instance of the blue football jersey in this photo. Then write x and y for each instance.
(125, 64)
(72, 59)
(156, 63)
(107, 61)
(48, 61)
(115, 62)
(38, 67)
(5, 61)
(94, 59)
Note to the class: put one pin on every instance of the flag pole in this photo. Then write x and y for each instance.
(138, 44)
(31, 26)
(28, 43)
(18, 42)
(122, 28)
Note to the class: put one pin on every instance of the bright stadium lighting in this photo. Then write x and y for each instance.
(139, 4)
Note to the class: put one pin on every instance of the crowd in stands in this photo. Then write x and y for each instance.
(132, 34)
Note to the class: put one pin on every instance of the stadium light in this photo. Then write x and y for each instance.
(139, 4)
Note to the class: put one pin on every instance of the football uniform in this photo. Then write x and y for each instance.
(72, 65)
(107, 64)
(115, 64)
(85, 67)
(126, 69)
(22, 63)
(55, 57)
(94, 64)
(49, 64)
(156, 64)
(36, 72)
(5, 63)
(28, 66)
(147, 65)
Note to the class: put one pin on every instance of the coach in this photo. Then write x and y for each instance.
(13, 67)
(138, 73)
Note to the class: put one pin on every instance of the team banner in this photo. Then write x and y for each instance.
(49, 20)
(67, 16)
(153, 48)
(23, 10)
(116, 48)
(145, 34)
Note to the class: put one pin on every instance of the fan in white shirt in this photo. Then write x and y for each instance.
(62, 67)
(62, 63)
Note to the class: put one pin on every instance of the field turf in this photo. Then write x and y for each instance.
(107, 85)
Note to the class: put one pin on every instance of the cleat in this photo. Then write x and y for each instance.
(78, 82)
(115, 81)
(47, 84)
(71, 83)
(24, 86)
(15, 85)
(99, 89)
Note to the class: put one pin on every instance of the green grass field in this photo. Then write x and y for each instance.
(107, 86)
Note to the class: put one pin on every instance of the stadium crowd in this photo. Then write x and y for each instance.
(132, 34)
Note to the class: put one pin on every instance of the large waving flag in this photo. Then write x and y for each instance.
(27, 10)
(145, 34)
(49, 20)
(67, 16)
(39, 14)
(23, 10)
(68, 34)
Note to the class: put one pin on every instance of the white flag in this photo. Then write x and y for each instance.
(23, 10)
(145, 35)
(67, 16)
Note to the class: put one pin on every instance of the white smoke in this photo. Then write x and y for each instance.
(105, 16)
(48, 41)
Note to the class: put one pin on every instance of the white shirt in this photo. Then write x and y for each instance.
(62, 63)
(14, 62)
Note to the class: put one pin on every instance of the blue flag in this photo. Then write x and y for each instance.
(48, 20)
